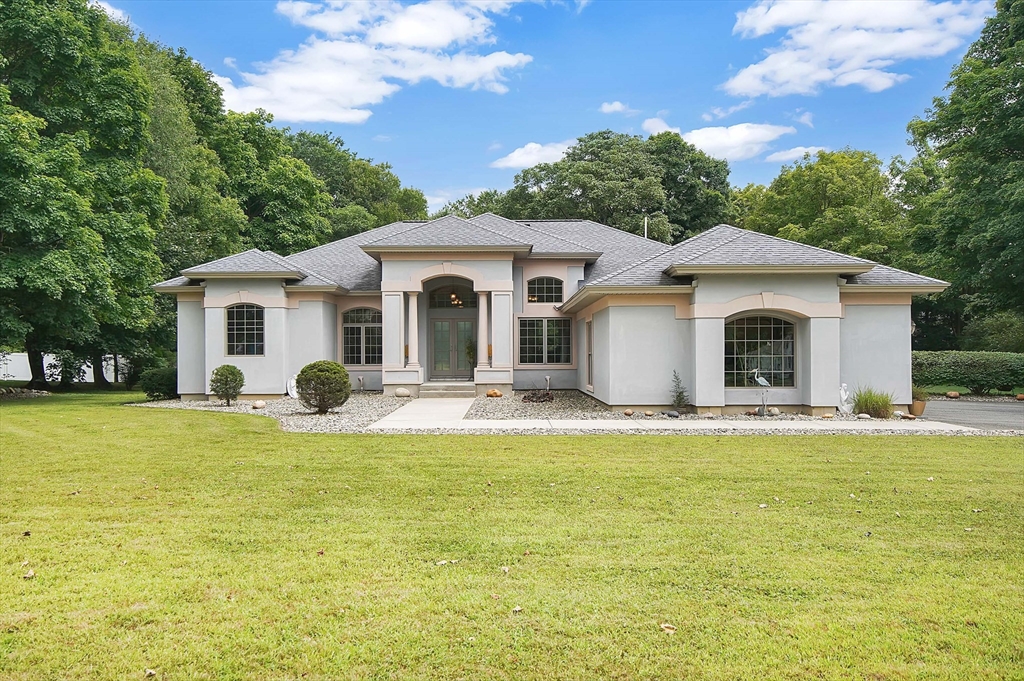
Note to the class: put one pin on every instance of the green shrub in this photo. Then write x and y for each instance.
(160, 383)
(226, 382)
(680, 400)
(323, 385)
(874, 404)
(981, 372)
(998, 332)
(919, 393)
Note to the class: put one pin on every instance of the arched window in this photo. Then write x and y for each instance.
(245, 330)
(544, 290)
(763, 343)
(363, 336)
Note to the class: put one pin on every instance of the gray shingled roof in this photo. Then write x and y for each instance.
(544, 243)
(882, 275)
(728, 245)
(618, 248)
(252, 261)
(448, 231)
(176, 282)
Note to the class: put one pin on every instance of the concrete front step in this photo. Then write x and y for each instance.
(450, 390)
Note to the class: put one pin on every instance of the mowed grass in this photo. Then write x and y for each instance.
(215, 546)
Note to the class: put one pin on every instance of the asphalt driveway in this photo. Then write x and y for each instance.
(986, 415)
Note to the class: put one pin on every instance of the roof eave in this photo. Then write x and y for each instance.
(372, 250)
(590, 257)
(196, 274)
(176, 289)
(587, 294)
(340, 290)
(682, 270)
(917, 289)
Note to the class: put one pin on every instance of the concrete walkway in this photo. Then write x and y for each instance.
(449, 414)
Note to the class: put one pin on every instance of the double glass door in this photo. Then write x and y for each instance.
(453, 349)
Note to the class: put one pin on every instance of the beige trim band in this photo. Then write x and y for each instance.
(253, 298)
(767, 300)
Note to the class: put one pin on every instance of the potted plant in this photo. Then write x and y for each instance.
(920, 400)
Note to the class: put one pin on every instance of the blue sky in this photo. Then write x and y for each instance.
(459, 95)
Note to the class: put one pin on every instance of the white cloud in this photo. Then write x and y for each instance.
(848, 42)
(533, 153)
(118, 15)
(793, 154)
(494, 146)
(737, 142)
(617, 107)
(381, 138)
(363, 52)
(806, 118)
(652, 126)
(718, 112)
(580, 4)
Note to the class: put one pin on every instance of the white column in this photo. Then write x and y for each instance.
(394, 330)
(501, 329)
(483, 362)
(414, 331)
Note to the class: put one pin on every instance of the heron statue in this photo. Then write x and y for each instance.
(761, 381)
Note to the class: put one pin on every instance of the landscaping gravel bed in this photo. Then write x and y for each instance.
(568, 404)
(710, 430)
(354, 416)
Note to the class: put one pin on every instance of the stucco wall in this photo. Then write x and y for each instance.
(602, 353)
(721, 288)
(875, 349)
(191, 348)
(263, 374)
(312, 330)
(647, 344)
(533, 379)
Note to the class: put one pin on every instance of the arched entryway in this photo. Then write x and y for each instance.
(452, 317)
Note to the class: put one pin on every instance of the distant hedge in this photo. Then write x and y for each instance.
(980, 372)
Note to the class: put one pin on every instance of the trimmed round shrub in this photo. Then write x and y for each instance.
(160, 383)
(226, 382)
(979, 372)
(323, 385)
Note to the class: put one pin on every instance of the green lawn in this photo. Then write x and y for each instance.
(215, 546)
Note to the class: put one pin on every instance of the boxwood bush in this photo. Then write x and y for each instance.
(323, 385)
(160, 383)
(226, 382)
(980, 372)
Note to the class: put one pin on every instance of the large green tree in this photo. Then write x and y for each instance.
(977, 130)
(66, 64)
(838, 200)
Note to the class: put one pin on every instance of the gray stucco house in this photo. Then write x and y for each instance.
(454, 305)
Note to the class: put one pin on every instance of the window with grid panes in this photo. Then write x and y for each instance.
(545, 341)
(245, 330)
(363, 338)
(544, 290)
(764, 343)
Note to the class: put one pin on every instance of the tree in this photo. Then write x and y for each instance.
(605, 176)
(697, 192)
(226, 382)
(977, 130)
(471, 205)
(76, 74)
(838, 200)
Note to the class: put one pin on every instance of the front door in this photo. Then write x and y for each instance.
(453, 349)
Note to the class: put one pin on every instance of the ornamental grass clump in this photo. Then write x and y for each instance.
(875, 404)
(226, 382)
(323, 385)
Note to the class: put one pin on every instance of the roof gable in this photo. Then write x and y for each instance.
(252, 262)
(446, 233)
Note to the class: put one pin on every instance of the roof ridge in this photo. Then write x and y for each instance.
(599, 224)
(353, 236)
(491, 231)
(587, 249)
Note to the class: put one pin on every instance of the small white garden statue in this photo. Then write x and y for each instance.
(292, 392)
(845, 400)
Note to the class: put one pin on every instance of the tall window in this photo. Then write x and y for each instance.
(363, 341)
(545, 341)
(245, 330)
(763, 343)
(544, 290)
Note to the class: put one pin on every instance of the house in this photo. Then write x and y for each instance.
(462, 306)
